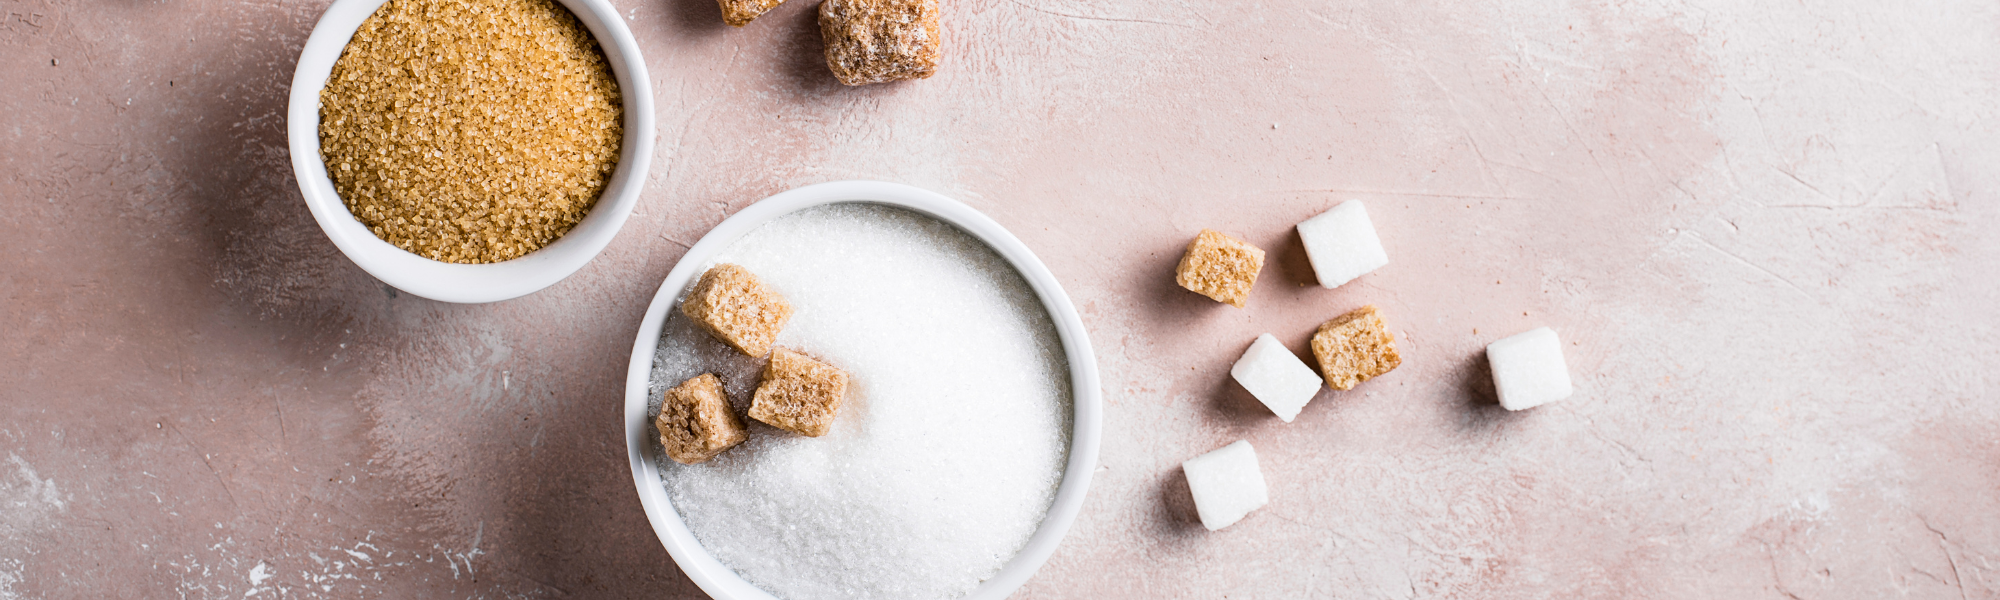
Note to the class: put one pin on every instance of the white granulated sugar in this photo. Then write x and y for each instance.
(1342, 245)
(1276, 377)
(951, 442)
(1227, 484)
(1528, 369)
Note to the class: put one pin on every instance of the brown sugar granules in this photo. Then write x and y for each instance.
(470, 131)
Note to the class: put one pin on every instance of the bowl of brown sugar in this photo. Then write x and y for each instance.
(470, 150)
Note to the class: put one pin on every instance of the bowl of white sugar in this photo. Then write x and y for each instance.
(964, 446)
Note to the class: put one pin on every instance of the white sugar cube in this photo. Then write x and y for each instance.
(1341, 244)
(1528, 369)
(1226, 483)
(1276, 377)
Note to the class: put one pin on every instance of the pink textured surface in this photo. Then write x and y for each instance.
(1770, 235)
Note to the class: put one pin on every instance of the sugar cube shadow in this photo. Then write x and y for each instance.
(1480, 408)
(792, 27)
(1177, 305)
(1234, 405)
(702, 18)
(1237, 406)
(1293, 263)
(805, 57)
(1177, 509)
(804, 51)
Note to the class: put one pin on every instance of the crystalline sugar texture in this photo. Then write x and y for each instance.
(1227, 484)
(1528, 369)
(1276, 377)
(1341, 244)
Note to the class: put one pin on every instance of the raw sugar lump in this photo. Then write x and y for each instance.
(695, 422)
(1227, 484)
(1355, 347)
(738, 13)
(1276, 377)
(737, 308)
(799, 394)
(1341, 244)
(1528, 369)
(878, 41)
(1220, 267)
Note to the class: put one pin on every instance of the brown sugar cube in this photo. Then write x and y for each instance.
(1355, 347)
(799, 394)
(695, 421)
(738, 13)
(1220, 267)
(875, 41)
(738, 309)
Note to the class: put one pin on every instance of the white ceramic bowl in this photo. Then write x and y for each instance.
(471, 283)
(722, 582)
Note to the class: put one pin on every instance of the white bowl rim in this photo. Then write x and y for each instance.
(464, 283)
(717, 579)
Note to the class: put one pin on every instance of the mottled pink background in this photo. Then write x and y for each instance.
(1769, 233)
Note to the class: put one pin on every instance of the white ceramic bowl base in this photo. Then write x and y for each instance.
(722, 582)
(456, 282)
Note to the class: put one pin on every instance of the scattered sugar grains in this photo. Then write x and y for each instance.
(470, 131)
(951, 439)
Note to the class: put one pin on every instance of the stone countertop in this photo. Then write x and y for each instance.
(1767, 234)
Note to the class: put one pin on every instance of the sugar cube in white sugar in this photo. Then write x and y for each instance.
(1528, 369)
(954, 432)
(1341, 244)
(1227, 484)
(1276, 377)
